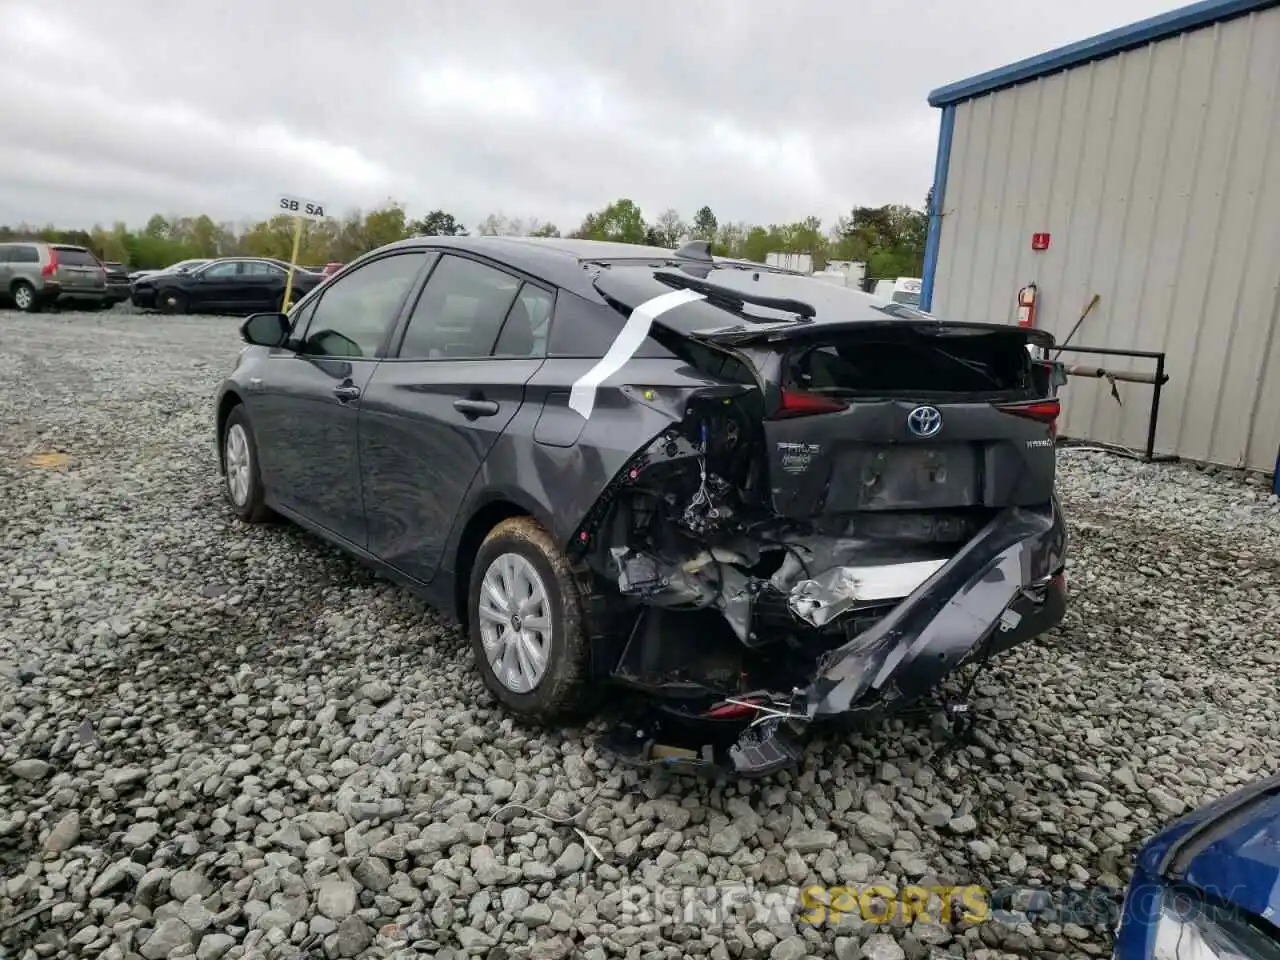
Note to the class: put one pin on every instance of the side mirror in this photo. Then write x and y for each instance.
(265, 329)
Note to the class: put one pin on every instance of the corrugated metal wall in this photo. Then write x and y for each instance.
(1157, 173)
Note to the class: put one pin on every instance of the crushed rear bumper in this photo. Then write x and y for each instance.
(1004, 587)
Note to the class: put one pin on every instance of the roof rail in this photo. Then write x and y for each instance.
(695, 250)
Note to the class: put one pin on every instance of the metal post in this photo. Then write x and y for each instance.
(293, 262)
(1155, 408)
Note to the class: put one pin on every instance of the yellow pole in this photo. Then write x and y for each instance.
(293, 262)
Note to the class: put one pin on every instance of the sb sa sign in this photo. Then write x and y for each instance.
(299, 207)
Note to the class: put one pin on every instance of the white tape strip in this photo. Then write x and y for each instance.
(582, 397)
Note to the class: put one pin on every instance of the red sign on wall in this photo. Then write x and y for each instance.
(1039, 241)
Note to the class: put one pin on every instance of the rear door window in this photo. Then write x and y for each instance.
(524, 332)
(260, 268)
(461, 312)
(24, 254)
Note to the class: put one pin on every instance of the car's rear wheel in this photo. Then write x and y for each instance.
(24, 297)
(242, 483)
(171, 301)
(526, 622)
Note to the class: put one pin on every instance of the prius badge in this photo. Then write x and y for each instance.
(924, 422)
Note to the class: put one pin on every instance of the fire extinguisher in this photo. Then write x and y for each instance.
(1027, 306)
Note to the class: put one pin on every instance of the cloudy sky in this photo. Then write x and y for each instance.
(531, 108)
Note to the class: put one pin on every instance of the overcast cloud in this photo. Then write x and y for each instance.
(542, 108)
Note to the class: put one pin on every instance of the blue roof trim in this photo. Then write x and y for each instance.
(1106, 44)
(933, 238)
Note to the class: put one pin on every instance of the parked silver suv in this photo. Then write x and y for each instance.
(34, 274)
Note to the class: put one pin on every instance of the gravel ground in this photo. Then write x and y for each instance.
(222, 740)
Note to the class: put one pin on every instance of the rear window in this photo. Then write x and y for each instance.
(907, 361)
(76, 257)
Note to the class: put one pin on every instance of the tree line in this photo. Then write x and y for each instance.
(889, 239)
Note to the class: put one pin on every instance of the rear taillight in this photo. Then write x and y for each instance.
(51, 267)
(798, 403)
(1042, 411)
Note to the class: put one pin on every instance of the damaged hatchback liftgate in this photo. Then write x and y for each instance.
(845, 515)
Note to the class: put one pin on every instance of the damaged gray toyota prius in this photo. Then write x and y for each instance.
(754, 497)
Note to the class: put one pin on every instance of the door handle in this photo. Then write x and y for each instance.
(346, 392)
(476, 408)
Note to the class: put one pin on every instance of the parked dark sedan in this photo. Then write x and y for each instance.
(231, 285)
(749, 494)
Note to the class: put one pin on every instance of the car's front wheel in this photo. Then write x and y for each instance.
(526, 622)
(242, 483)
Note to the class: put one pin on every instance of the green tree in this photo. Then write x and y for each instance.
(705, 225)
(437, 223)
(157, 227)
(621, 221)
(545, 230)
(668, 229)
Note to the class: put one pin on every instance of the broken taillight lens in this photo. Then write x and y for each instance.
(1042, 411)
(798, 403)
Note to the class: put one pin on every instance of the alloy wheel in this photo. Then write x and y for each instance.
(515, 622)
(237, 457)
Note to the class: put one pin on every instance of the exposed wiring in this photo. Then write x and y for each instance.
(766, 713)
(567, 821)
(1118, 449)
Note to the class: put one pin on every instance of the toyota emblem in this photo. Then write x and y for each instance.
(924, 422)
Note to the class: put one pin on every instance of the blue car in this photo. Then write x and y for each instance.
(1207, 887)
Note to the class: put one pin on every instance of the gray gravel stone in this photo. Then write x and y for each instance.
(140, 834)
(336, 899)
(64, 834)
(963, 825)
(29, 769)
(214, 945)
(167, 939)
(350, 939)
(882, 946)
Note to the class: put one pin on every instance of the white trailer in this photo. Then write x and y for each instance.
(799, 262)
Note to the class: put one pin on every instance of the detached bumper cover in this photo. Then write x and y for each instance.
(1000, 590)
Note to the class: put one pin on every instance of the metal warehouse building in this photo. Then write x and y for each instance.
(1143, 166)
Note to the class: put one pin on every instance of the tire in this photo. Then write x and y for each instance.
(241, 480)
(171, 301)
(519, 553)
(24, 297)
